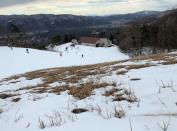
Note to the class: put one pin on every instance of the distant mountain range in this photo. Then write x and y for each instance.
(61, 23)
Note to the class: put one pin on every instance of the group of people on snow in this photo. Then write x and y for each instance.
(10, 46)
(66, 50)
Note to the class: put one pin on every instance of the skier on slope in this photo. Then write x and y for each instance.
(27, 51)
(61, 54)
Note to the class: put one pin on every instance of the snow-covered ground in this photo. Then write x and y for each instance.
(18, 61)
(153, 89)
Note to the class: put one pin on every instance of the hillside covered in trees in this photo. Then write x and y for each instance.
(149, 36)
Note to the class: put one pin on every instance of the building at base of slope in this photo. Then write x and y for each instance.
(93, 41)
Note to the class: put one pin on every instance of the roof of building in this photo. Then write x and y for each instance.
(91, 40)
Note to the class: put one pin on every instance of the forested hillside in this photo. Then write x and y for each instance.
(153, 36)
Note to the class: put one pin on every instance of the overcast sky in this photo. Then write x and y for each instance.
(83, 7)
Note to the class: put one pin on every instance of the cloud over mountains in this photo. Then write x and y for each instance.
(82, 7)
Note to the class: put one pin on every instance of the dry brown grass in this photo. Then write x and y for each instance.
(74, 76)
(129, 67)
(129, 98)
(122, 72)
(170, 62)
(72, 80)
(86, 89)
(121, 95)
(39, 90)
(117, 67)
(15, 77)
(6, 95)
(52, 79)
(119, 113)
(58, 90)
(155, 57)
(111, 92)
(81, 92)
(83, 73)
(25, 88)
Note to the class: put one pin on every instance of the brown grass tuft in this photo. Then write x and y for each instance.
(170, 62)
(58, 90)
(86, 89)
(111, 92)
(122, 72)
(138, 66)
(119, 114)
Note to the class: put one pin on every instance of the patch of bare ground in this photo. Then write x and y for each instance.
(135, 79)
(16, 99)
(79, 110)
